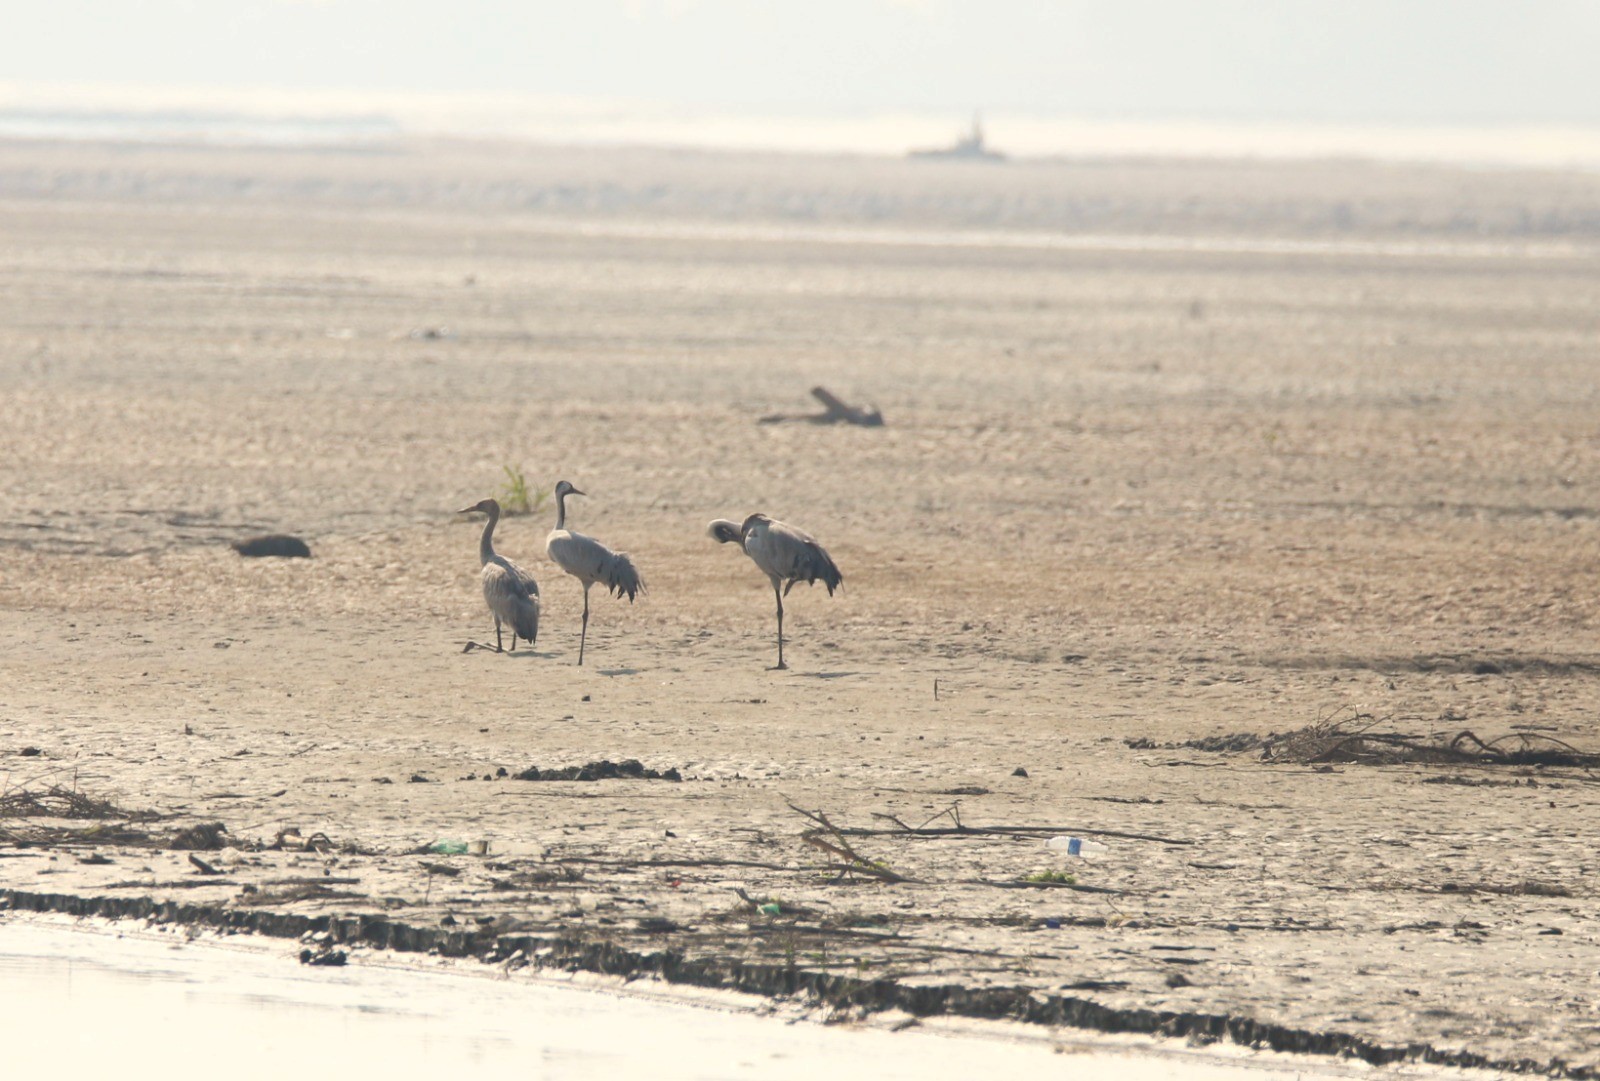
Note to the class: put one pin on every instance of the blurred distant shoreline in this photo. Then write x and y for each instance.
(188, 117)
(1190, 205)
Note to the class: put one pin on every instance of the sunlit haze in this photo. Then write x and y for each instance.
(1426, 77)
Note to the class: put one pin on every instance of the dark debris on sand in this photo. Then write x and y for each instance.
(1362, 739)
(280, 545)
(602, 770)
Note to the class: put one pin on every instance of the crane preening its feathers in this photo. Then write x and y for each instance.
(589, 561)
(510, 591)
(786, 555)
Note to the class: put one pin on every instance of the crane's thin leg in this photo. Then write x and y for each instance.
(497, 646)
(584, 636)
(779, 596)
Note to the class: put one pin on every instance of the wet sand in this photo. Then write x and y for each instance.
(1208, 483)
(247, 1002)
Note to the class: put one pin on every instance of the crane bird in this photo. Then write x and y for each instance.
(589, 561)
(510, 591)
(786, 555)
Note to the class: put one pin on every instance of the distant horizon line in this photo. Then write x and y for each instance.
(270, 117)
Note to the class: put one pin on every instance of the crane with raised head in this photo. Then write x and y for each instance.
(785, 554)
(510, 591)
(589, 561)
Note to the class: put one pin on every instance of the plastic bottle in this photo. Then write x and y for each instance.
(1076, 846)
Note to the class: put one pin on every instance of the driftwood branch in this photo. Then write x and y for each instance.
(203, 867)
(841, 848)
(1338, 742)
(902, 829)
(835, 411)
(705, 862)
(1024, 884)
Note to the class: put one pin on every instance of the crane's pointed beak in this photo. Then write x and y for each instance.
(576, 492)
(467, 510)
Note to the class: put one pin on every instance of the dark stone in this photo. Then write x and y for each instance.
(274, 544)
(602, 770)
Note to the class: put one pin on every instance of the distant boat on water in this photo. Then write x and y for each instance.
(967, 147)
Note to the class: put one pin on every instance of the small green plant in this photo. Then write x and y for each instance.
(1060, 878)
(515, 497)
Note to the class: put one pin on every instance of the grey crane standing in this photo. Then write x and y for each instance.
(510, 591)
(786, 555)
(589, 561)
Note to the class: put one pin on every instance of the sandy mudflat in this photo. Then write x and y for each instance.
(1253, 447)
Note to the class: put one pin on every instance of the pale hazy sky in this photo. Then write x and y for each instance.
(1404, 61)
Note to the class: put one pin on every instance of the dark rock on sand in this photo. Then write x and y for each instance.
(603, 770)
(274, 544)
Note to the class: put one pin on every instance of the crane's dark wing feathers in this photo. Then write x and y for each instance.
(812, 563)
(621, 577)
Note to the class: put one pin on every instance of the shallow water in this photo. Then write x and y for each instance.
(99, 1004)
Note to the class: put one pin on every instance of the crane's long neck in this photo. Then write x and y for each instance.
(561, 510)
(486, 545)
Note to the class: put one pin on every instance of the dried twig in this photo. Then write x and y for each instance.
(707, 862)
(1024, 884)
(57, 802)
(1007, 831)
(841, 848)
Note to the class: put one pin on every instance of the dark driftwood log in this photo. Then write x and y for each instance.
(835, 412)
(274, 544)
(204, 867)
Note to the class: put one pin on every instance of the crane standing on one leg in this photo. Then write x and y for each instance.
(786, 555)
(589, 561)
(510, 591)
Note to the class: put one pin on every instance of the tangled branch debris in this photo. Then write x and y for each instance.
(1357, 738)
(828, 838)
(58, 802)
